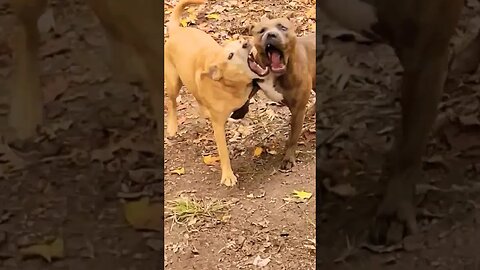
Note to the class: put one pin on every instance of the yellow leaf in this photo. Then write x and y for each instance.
(214, 16)
(210, 160)
(226, 218)
(303, 195)
(143, 215)
(184, 22)
(258, 151)
(179, 171)
(53, 250)
(191, 17)
(311, 13)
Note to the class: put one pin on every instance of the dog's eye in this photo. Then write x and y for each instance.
(230, 56)
(262, 30)
(245, 45)
(283, 28)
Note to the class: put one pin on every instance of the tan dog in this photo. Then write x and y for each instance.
(291, 60)
(134, 29)
(219, 77)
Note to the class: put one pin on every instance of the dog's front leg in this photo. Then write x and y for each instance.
(218, 122)
(422, 87)
(26, 98)
(296, 123)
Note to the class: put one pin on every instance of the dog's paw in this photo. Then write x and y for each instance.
(229, 179)
(287, 164)
(393, 222)
(171, 131)
(396, 215)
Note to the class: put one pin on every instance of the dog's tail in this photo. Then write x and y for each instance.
(174, 22)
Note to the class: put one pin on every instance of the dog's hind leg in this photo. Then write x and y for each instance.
(173, 85)
(26, 98)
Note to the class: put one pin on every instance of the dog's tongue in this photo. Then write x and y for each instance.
(276, 60)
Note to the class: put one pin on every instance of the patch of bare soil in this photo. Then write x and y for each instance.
(86, 193)
(268, 220)
(358, 105)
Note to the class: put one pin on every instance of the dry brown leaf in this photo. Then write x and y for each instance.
(53, 250)
(342, 190)
(9, 160)
(54, 88)
(258, 261)
(469, 120)
(61, 125)
(46, 22)
(210, 160)
(55, 46)
(179, 171)
(143, 215)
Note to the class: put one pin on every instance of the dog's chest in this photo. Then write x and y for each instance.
(357, 15)
(272, 90)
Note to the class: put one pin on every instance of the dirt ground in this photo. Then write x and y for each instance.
(69, 193)
(261, 226)
(358, 105)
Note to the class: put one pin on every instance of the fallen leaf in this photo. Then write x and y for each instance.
(303, 195)
(258, 261)
(5, 216)
(214, 16)
(342, 190)
(143, 215)
(54, 88)
(155, 244)
(53, 250)
(312, 13)
(272, 152)
(55, 46)
(226, 218)
(210, 160)
(46, 22)
(179, 171)
(469, 120)
(258, 151)
(184, 22)
(10, 161)
(311, 244)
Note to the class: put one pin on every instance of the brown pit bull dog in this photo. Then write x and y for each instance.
(419, 31)
(292, 64)
(219, 77)
(136, 32)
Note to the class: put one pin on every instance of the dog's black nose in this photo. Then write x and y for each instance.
(272, 35)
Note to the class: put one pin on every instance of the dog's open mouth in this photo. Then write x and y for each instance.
(275, 58)
(256, 67)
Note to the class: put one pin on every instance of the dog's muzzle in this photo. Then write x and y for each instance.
(273, 48)
(273, 37)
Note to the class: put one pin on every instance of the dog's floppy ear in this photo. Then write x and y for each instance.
(214, 72)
